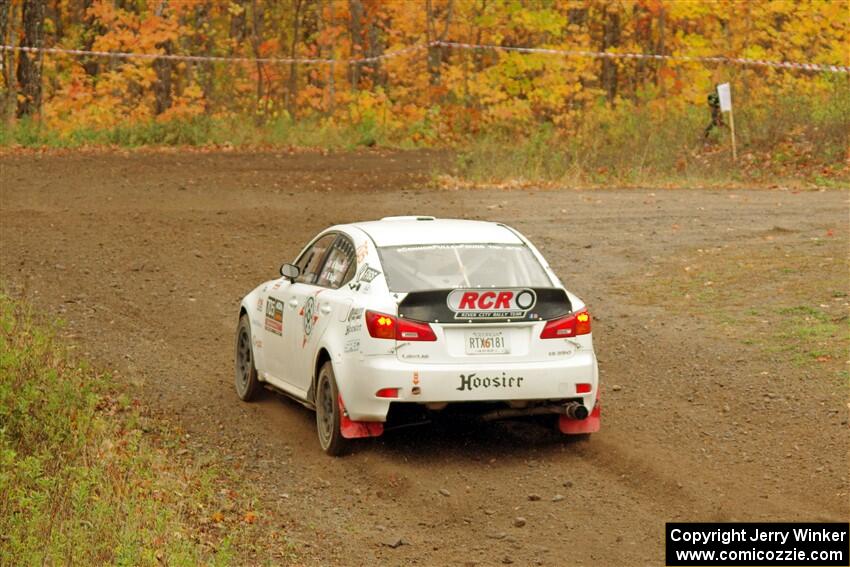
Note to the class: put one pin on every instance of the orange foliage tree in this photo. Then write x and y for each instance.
(431, 93)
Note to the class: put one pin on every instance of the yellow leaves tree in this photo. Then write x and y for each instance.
(435, 92)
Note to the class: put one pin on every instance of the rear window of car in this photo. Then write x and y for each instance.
(442, 266)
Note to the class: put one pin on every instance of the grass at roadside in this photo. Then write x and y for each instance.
(205, 131)
(792, 139)
(88, 478)
(786, 294)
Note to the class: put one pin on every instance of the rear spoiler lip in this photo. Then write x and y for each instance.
(430, 306)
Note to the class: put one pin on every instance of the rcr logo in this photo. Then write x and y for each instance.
(491, 303)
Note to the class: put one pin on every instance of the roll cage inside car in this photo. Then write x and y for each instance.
(341, 248)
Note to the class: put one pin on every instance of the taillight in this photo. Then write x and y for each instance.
(570, 326)
(387, 393)
(408, 330)
(383, 326)
(380, 325)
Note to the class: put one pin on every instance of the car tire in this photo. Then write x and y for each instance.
(328, 413)
(247, 382)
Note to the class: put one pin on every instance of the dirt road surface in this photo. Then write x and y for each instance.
(146, 256)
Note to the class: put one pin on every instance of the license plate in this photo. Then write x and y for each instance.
(487, 342)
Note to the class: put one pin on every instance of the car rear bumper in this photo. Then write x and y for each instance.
(360, 380)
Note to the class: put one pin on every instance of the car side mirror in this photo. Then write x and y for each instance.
(290, 271)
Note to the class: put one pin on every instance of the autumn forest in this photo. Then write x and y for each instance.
(421, 72)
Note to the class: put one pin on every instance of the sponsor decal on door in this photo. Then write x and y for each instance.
(274, 316)
(309, 314)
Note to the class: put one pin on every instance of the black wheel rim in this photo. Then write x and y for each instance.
(244, 362)
(325, 411)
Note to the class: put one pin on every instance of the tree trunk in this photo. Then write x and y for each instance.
(54, 14)
(435, 52)
(329, 107)
(256, 41)
(8, 15)
(6, 57)
(641, 25)
(376, 49)
(162, 87)
(355, 29)
(659, 68)
(29, 64)
(239, 23)
(478, 54)
(206, 46)
(292, 87)
(610, 38)
(91, 29)
(238, 35)
(163, 69)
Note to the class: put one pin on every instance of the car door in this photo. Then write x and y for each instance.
(274, 330)
(321, 297)
(282, 324)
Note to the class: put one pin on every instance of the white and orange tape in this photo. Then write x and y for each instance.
(205, 58)
(817, 67)
(696, 59)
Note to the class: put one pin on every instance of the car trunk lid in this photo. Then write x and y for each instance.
(481, 325)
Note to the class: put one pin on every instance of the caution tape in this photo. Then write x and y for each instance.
(212, 58)
(690, 58)
(827, 68)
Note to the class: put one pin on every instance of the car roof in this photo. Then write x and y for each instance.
(413, 230)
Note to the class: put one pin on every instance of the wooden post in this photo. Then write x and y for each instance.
(732, 130)
(724, 94)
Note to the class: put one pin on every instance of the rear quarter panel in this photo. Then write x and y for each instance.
(346, 338)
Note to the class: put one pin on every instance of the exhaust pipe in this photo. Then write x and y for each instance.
(575, 410)
(572, 410)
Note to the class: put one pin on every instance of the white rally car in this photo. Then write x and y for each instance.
(418, 310)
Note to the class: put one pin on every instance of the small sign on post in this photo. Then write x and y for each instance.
(724, 93)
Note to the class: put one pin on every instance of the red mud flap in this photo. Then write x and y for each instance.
(356, 429)
(578, 426)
